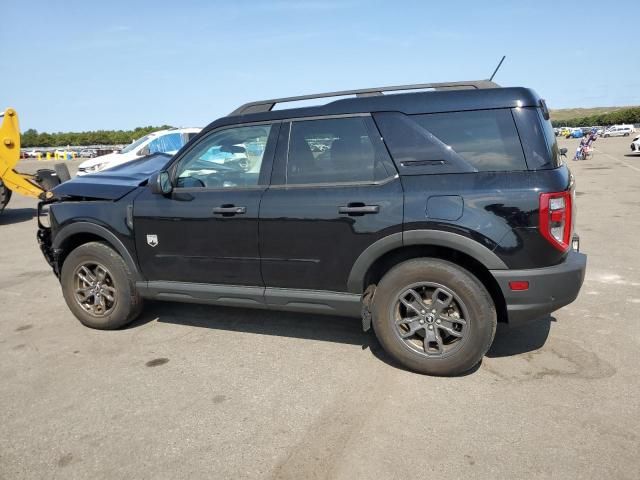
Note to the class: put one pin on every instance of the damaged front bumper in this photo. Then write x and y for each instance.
(44, 239)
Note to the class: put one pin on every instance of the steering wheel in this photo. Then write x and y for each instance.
(213, 180)
(190, 182)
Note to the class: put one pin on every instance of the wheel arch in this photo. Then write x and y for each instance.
(72, 236)
(383, 255)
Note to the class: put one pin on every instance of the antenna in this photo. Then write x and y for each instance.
(497, 68)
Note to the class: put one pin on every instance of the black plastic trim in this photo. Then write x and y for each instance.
(419, 237)
(68, 231)
(550, 288)
(310, 301)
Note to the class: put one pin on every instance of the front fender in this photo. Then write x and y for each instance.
(65, 235)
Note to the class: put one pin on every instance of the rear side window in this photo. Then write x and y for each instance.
(455, 142)
(487, 139)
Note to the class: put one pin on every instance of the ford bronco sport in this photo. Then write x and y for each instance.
(431, 214)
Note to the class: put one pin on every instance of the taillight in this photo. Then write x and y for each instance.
(555, 218)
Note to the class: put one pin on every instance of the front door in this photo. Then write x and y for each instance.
(335, 191)
(206, 230)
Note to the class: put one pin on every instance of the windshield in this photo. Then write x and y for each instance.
(132, 146)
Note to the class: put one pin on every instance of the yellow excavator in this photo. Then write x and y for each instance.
(38, 185)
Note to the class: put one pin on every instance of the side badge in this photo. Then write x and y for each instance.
(152, 240)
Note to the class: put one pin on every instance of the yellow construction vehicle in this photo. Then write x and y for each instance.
(36, 185)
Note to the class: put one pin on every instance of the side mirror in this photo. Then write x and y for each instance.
(143, 152)
(160, 183)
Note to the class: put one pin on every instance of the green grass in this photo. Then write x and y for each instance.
(571, 113)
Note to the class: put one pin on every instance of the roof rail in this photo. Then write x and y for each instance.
(267, 105)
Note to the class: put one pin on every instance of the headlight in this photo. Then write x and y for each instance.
(43, 216)
(97, 167)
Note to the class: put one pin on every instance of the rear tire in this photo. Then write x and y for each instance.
(99, 287)
(459, 335)
(5, 196)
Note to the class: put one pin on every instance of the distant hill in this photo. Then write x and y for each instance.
(585, 117)
(572, 113)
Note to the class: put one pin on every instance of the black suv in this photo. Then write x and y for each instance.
(432, 215)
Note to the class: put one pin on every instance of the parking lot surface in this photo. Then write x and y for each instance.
(208, 392)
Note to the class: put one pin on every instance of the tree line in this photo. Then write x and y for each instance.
(626, 116)
(32, 138)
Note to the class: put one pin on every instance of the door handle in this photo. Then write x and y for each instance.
(358, 209)
(229, 210)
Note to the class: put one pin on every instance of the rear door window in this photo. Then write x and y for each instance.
(335, 150)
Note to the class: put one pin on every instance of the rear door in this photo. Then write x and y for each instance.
(206, 230)
(334, 192)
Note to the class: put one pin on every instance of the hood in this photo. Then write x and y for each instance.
(115, 182)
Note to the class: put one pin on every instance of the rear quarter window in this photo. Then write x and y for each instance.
(487, 139)
(453, 142)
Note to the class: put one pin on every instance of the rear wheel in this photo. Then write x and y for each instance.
(433, 316)
(99, 288)
(5, 196)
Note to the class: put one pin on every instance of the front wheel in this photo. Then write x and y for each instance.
(99, 288)
(433, 317)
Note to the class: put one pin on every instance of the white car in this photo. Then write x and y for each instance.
(635, 144)
(162, 141)
(618, 131)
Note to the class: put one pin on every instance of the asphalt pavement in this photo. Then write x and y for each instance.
(207, 392)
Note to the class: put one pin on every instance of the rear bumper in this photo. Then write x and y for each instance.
(550, 288)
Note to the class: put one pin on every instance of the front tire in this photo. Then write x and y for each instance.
(433, 317)
(99, 288)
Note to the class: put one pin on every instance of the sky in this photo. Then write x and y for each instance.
(86, 65)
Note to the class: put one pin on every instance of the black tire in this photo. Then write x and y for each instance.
(5, 196)
(476, 300)
(128, 303)
(626, 134)
(62, 171)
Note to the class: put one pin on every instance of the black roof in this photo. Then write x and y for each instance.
(408, 103)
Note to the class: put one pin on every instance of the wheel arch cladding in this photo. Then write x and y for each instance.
(383, 255)
(76, 234)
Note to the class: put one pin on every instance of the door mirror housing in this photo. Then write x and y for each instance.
(144, 151)
(160, 183)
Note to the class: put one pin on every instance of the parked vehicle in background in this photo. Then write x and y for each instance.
(88, 153)
(565, 132)
(599, 130)
(576, 133)
(162, 141)
(635, 145)
(431, 215)
(618, 131)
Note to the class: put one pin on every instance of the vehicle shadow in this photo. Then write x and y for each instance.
(507, 342)
(16, 215)
(511, 341)
(632, 155)
(264, 322)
